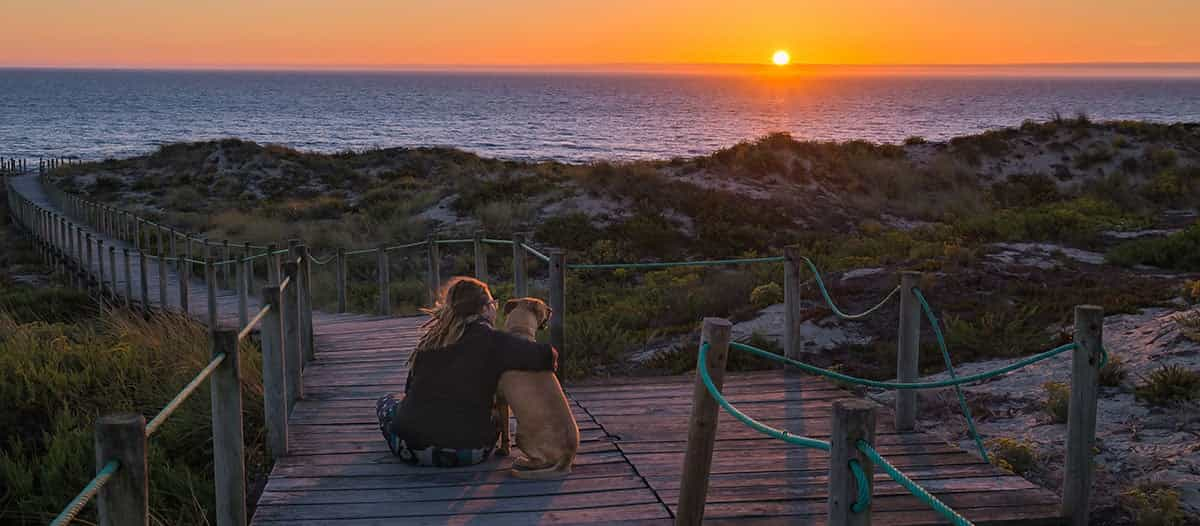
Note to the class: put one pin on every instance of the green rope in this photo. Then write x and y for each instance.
(363, 251)
(829, 299)
(903, 385)
(666, 264)
(408, 245)
(702, 370)
(962, 399)
(497, 241)
(920, 493)
(863, 502)
(90, 490)
(454, 241)
(535, 253)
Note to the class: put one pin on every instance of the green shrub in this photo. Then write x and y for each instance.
(1178, 251)
(1058, 401)
(766, 295)
(1170, 383)
(1113, 372)
(56, 379)
(46, 304)
(914, 140)
(1191, 290)
(1153, 505)
(1189, 324)
(1016, 456)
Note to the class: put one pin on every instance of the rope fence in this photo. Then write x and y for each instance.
(284, 338)
(87, 494)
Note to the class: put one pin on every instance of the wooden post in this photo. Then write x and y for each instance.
(304, 270)
(558, 303)
(853, 420)
(1081, 417)
(239, 269)
(128, 278)
(125, 499)
(174, 251)
(100, 267)
(908, 351)
(87, 268)
(275, 405)
(520, 275)
(340, 278)
(229, 466)
(702, 430)
(249, 264)
(225, 272)
(481, 272)
(112, 268)
(292, 356)
(273, 265)
(793, 345)
(144, 281)
(210, 283)
(434, 276)
(385, 300)
(162, 281)
(185, 278)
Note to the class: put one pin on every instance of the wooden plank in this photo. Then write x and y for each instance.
(609, 515)
(404, 479)
(462, 507)
(493, 490)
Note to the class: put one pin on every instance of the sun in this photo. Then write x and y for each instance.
(781, 58)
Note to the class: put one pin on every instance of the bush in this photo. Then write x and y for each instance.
(766, 295)
(1153, 505)
(1058, 401)
(1016, 456)
(1170, 383)
(1113, 372)
(1189, 324)
(45, 304)
(56, 379)
(914, 140)
(1178, 251)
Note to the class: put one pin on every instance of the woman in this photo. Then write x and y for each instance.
(445, 417)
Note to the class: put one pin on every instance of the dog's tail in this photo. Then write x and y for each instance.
(554, 471)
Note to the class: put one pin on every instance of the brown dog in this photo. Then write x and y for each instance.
(546, 429)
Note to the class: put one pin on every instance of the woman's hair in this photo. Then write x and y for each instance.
(460, 302)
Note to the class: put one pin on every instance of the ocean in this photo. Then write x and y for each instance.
(574, 117)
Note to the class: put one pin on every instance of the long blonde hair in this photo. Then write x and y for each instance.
(460, 302)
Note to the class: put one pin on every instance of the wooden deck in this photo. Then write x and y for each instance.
(633, 432)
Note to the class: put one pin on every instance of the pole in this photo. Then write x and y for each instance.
(340, 278)
(275, 405)
(853, 420)
(793, 345)
(558, 303)
(481, 272)
(520, 275)
(229, 466)
(125, 499)
(1081, 417)
(702, 430)
(908, 351)
(385, 301)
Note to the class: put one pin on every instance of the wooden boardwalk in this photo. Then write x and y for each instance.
(633, 431)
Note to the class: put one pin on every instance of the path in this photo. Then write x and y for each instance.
(633, 432)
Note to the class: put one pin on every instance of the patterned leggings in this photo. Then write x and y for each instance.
(385, 409)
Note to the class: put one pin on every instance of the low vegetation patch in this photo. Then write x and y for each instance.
(57, 378)
(1058, 401)
(1153, 505)
(1016, 456)
(1114, 371)
(1179, 251)
(1169, 384)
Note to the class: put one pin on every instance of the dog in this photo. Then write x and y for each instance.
(546, 430)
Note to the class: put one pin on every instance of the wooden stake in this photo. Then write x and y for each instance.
(1081, 417)
(853, 420)
(702, 430)
(908, 352)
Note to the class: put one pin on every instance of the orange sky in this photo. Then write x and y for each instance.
(397, 33)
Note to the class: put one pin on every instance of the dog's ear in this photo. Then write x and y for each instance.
(510, 305)
(545, 312)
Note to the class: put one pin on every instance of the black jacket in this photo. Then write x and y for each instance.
(449, 392)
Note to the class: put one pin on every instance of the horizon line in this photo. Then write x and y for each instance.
(594, 66)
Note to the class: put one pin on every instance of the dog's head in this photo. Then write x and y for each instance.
(532, 313)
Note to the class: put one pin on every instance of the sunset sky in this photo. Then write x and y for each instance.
(392, 33)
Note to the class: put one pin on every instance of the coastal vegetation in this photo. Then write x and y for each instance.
(64, 361)
(943, 208)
